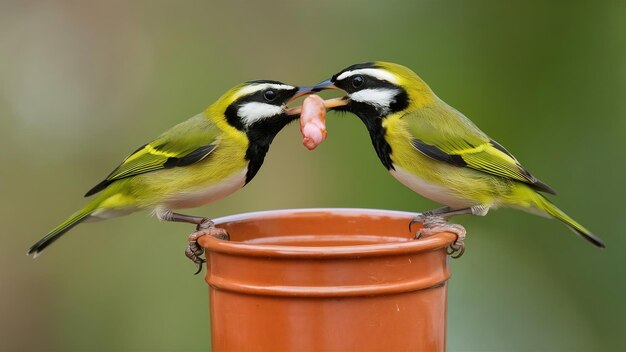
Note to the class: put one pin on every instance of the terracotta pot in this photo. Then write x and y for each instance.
(326, 280)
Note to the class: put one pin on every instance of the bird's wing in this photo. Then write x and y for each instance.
(446, 135)
(184, 144)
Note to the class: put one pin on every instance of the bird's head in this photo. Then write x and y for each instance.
(377, 89)
(259, 107)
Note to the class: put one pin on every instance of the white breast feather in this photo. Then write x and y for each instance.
(207, 194)
(430, 190)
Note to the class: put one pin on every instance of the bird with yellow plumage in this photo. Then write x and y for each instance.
(436, 151)
(196, 162)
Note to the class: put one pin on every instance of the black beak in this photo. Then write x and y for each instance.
(327, 84)
(302, 91)
(331, 103)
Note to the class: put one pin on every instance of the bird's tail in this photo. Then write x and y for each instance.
(545, 205)
(60, 230)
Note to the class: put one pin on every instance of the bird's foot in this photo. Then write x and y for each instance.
(437, 224)
(421, 218)
(194, 251)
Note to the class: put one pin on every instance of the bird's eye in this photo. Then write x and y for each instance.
(357, 81)
(269, 95)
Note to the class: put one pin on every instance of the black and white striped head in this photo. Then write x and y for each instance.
(379, 88)
(261, 102)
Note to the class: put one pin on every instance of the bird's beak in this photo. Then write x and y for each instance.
(331, 103)
(336, 102)
(327, 84)
(302, 91)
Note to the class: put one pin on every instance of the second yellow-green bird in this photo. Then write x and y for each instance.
(198, 161)
(436, 151)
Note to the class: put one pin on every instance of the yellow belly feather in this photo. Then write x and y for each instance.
(459, 185)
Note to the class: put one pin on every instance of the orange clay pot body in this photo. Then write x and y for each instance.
(326, 280)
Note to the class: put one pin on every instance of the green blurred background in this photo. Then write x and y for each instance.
(83, 84)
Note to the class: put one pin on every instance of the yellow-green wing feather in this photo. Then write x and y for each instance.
(184, 144)
(444, 134)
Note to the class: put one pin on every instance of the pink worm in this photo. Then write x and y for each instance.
(312, 121)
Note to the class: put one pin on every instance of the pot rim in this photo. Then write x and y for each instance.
(434, 242)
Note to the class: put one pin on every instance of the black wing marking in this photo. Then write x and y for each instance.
(191, 158)
(435, 153)
(457, 160)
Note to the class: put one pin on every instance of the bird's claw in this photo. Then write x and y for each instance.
(195, 258)
(457, 248)
(205, 225)
(421, 218)
(194, 251)
(435, 224)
